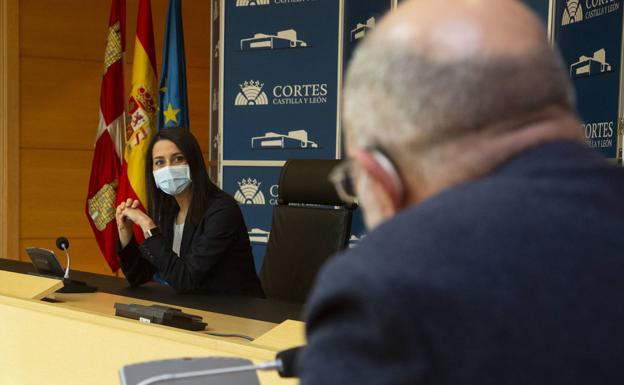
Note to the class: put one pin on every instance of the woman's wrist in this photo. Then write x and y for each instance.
(147, 224)
(124, 241)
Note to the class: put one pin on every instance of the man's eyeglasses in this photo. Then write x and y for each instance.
(342, 176)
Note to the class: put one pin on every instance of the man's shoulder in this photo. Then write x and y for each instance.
(416, 232)
(444, 216)
(481, 217)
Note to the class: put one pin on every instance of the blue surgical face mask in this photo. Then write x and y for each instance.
(173, 179)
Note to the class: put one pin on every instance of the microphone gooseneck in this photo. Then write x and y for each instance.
(63, 244)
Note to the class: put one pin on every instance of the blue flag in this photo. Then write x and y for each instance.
(173, 101)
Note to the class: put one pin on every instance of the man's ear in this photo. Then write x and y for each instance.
(384, 184)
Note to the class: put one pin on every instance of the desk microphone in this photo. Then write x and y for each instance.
(63, 244)
(284, 363)
(71, 286)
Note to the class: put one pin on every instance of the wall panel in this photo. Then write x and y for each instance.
(59, 102)
(77, 29)
(9, 128)
(54, 188)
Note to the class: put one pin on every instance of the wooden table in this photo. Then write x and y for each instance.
(27, 286)
(78, 340)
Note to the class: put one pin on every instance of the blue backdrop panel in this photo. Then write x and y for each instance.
(589, 34)
(358, 230)
(540, 7)
(256, 190)
(281, 80)
(360, 18)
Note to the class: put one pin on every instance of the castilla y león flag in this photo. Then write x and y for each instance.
(142, 108)
(106, 165)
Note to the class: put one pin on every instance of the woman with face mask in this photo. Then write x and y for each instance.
(195, 236)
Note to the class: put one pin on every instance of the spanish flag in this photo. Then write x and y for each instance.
(109, 142)
(142, 108)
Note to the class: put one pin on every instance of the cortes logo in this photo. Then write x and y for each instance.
(249, 192)
(572, 13)
(315, 93)
(283, 39)
(251, 94)
(599, 134)
(579, 10)
(588, 66)
(246, 3)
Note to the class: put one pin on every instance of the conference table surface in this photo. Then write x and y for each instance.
(268, 310)
(96, 343)
(268, 325)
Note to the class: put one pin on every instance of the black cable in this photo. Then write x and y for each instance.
(216, 334)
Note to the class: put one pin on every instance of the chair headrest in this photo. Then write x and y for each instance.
(307, 181)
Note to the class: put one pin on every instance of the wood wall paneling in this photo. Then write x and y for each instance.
(54, 190)
(9, 128)
(77, 29)
(60, 103)
(3, 128)
(198, 82)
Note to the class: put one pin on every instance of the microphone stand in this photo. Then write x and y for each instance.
(66, 276)
(284, 364)
(69, 285)
(270, 365)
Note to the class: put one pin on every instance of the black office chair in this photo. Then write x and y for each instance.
(310, 224)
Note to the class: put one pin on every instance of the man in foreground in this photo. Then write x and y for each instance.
(495, 252)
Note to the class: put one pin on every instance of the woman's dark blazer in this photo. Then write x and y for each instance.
(215, 255)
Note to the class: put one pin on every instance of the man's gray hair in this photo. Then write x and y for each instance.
(399, 98)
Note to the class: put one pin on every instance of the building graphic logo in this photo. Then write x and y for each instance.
(249, 192)
(283, 39)
(246, 3)
(257, 235)
(294, 140)
(588, 66)
(362, 29)
(354, 240)
(251, 94)
(572, 13)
